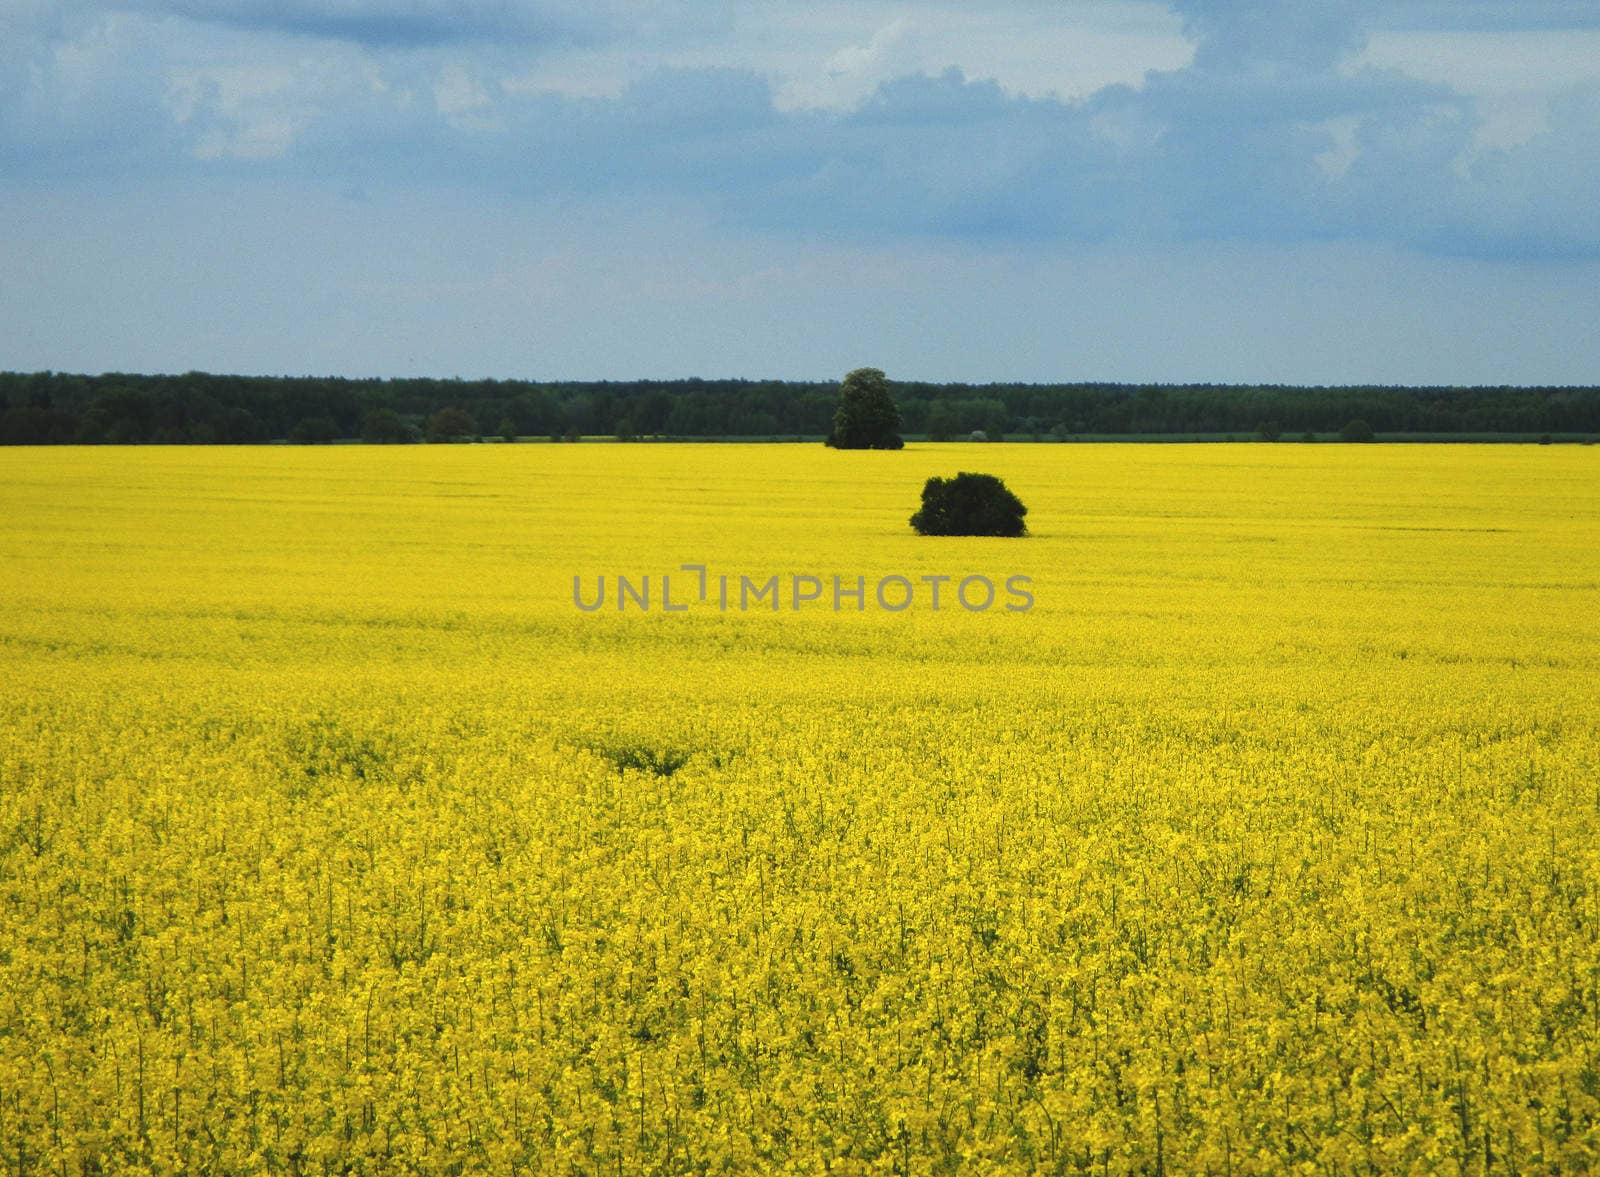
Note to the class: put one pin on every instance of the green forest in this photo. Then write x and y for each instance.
(49, 408)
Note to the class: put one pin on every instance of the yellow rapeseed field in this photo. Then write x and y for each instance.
(335, 837)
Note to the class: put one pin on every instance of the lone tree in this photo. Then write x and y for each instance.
(969, 504)
(866, 418)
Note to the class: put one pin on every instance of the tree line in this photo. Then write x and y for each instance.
(42, 408)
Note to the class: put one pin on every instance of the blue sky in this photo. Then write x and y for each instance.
(1330, 191)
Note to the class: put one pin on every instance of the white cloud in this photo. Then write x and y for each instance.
(1489, 63)
(883, 54)
(463, 100)
(1512, 74)
(1342, 149)
(1069, 51)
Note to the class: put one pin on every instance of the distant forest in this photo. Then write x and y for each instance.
(44, 408)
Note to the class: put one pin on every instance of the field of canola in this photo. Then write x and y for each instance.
(335, 839)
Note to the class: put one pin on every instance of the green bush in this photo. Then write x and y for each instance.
(969, 504)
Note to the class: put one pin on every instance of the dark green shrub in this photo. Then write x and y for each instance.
(969, 504)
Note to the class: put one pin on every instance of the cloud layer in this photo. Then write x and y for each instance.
(1267, 134)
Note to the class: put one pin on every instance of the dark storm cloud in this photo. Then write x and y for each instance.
(411, 24)
(385, 24)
